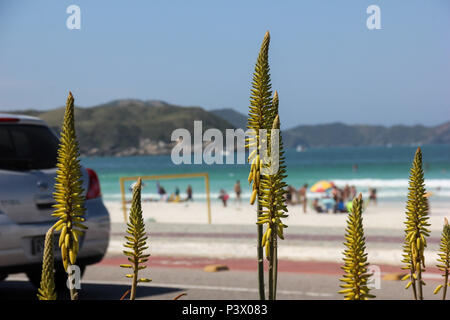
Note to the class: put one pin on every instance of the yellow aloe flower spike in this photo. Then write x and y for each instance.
(273, 190)
(444, 259)
(354, 282)
(416, 228)
(47, 290)
(260, 104)
(136, 241)
(68, 193)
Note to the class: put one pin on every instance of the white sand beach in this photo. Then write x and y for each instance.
(181, 229)
(386, 215)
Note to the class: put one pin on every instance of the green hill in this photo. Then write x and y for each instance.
(128, 127)
(339, 134)
(237, 119)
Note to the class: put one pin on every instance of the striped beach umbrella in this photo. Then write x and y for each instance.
(322, 186)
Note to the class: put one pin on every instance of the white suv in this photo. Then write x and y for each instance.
(28, 152)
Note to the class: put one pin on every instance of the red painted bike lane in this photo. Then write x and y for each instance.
(245, 264)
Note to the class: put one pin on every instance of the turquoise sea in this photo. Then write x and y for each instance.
(383, 168)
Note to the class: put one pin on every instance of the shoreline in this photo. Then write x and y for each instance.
(386, 215)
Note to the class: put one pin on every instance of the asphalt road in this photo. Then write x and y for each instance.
(173, 276)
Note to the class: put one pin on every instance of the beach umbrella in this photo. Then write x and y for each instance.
(322, 186)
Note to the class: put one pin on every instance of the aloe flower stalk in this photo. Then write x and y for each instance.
(68, 193)
(47, 290)
(136, 241)
(260, 104)
(354, 282)
(273, 202)
(416, 228)
(444, 259)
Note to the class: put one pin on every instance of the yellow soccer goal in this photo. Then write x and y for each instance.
(166, 176)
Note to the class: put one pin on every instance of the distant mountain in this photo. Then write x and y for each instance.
(339, 134)
(441, 134)
(237, 119)
(343, 135)
(129, 127)
(134, 102)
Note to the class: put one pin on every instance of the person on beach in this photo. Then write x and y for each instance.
(352, 193)
(224, 197)
(238, 191)
(289, 194)
(336, 194)
(294, 196)
(329, 204)
(302, 196)
(189, 193)
(161, 191)
(177, 194)
(373, 196)
(346, 193)
(341, 205)
(316, 206)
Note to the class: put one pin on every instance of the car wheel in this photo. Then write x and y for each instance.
(60, 277)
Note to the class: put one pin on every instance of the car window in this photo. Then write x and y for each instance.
(27, 147)
(21, 141)
(6, 146)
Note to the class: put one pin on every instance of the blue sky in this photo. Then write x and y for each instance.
(326, 65)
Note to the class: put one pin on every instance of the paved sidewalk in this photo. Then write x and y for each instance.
(323, 244)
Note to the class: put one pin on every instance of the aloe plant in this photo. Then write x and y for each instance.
(273, 193)
(260, 104)
(47, 290)
(69, 193)
(136, 241)
(444, 259)
(416, 228)
(354, 282)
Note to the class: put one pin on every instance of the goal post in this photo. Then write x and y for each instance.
(204, 175)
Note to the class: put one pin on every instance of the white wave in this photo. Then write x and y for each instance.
(383, 183)
(386, 188)
(391, 194)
